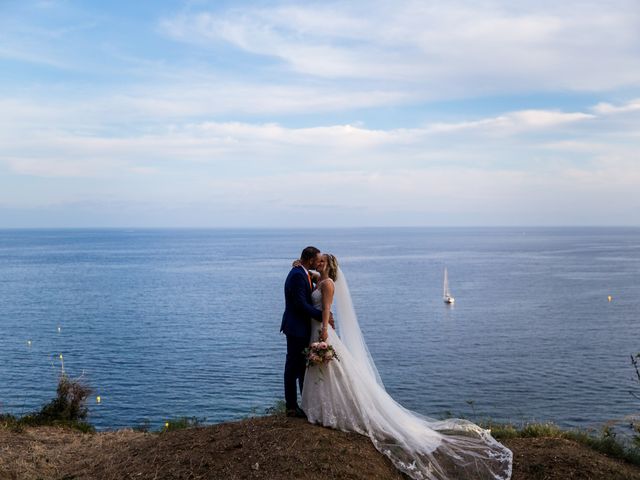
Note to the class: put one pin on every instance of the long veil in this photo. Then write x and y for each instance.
(423, 448)
(349, 329)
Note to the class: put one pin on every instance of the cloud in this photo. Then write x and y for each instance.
(605, 108)
(215, 98)
(458, 48)
(220, 110)
(187, 100)
(512, 138)
(524, 120)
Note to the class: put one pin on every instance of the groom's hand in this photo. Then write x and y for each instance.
(331, 322)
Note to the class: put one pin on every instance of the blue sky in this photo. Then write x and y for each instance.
(311, 114)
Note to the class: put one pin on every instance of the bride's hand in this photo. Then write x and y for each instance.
(331, 322)
(324, 335)
(296, 263)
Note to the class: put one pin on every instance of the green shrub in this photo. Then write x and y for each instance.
(67, 409)
(69, 404)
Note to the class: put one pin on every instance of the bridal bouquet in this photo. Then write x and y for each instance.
(320, 353)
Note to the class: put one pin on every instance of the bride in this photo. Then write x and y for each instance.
(347, 394)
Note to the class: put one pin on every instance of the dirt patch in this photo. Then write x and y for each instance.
(268, 447)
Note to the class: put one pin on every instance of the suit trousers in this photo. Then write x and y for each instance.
(294, 369)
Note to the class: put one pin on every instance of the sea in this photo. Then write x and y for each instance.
(170, 323)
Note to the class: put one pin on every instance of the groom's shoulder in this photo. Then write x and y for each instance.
(294, 272)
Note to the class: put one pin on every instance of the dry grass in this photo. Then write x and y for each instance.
(273, 447)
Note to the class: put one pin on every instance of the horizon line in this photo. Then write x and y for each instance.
(340, 227)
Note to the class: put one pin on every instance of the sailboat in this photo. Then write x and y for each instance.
(447, 297)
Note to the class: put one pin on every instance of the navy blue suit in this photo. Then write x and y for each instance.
(296, 325)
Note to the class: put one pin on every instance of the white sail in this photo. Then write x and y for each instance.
(446, 294)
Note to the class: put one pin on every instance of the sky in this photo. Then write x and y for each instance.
(319, 114)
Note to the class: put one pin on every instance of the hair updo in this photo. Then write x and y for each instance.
(332, 266)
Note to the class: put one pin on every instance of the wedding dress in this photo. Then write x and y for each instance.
(348, 395)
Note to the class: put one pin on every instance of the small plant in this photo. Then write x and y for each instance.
(181, 423)
(449, 414)
(70, 402)
(9, 422)
(278, 409)
(605, 442)
(144, 426)
(472, 404)
(635, 425)
(503, 431)
(67, 409)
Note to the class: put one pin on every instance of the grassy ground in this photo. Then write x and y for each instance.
(57, 443)
(273, 447)
(605, 442)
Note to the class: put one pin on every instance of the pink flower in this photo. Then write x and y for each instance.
(322, 345)
(314, 345)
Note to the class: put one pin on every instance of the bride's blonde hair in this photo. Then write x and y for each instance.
(332, 266)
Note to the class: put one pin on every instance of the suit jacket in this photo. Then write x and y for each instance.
(298, 310)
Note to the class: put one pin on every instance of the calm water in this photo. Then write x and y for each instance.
(166, 323)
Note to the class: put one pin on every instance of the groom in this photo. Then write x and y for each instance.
(296, 325)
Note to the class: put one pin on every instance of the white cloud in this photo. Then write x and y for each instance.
(545, 119)
(519, 121)
(458, 48)
(67, 150)
(215, 98)
(248, 106)
(162, 103)
(605, 108)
